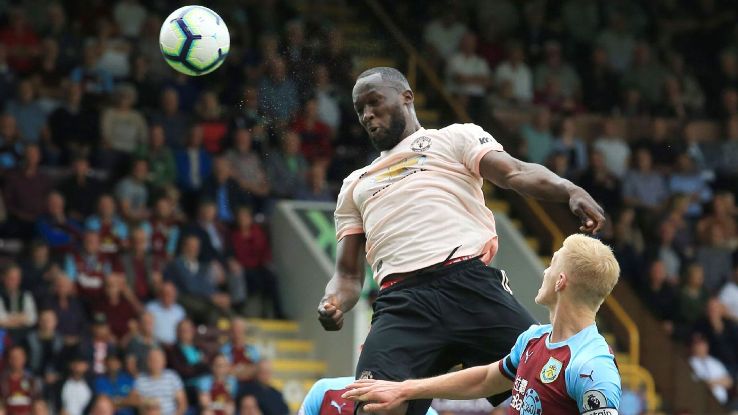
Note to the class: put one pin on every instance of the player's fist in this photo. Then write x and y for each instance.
(329, 315)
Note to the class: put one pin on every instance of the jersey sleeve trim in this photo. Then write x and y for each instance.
(349, 231)
(483, 152)
(506, 368)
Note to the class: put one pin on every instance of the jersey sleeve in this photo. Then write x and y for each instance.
(595, 386)
(472, 143)
(347, 215)
(509, 365)
(313, 399)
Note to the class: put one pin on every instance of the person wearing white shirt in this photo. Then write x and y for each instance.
(614, 148)
(167, 314)
(129, 16)
(444, 34)
(710, 370)
(468, 75)
(729, 296)
(517, 73)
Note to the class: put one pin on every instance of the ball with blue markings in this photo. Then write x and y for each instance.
(194, 40)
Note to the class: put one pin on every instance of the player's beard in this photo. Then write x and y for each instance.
(388, 139)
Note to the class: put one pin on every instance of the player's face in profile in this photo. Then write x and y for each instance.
(547, 293)
(380, 111)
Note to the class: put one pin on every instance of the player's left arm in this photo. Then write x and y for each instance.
(595, 386)
(535, 180)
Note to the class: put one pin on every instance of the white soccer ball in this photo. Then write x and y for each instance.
(194, 40)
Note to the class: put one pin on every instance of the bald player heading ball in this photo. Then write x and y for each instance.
(417, 213)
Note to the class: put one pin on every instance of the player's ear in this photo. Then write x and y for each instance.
(560, 282)
(408, 97)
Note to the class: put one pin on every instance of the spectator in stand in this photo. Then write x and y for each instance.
(194, 166)
(123, 129)
(81, 189)
(115, 51)
(167, 314)
(21, 41)
(443, 34)
(552, 97)
(11, 143)
(538, 136)
(69, 310)
(248, 116)
(628, 244)
(172, 119)
(218, 390)
(645, 75)
(600, 181)
(660, 143)
(60, 232)
(468, 76)
(270, 399)
(76, 390)
(213, 235)
(716, 258)
(45, 346)
(692, 297)
(667, 252)
(162, 385)
(88, 268)
(120, 306)
(38, 271)
(278, 97)
(728, 163)
(188, 360)
(554, 66)
(112, 230)
(17, 308)
(694, 97)
(643, 188)
(316, 188)
(247, 167)
(314, 134)
(163, 170)
(99, 344)
(140, 345)
(132, 192)
(612, 145)
(686, 180)
(723, 215)
(248, 405)
(728, 103)
(142, 270)
(116, 385)
(517, 72)
(709, 369)
(336, 57)
(162, 230)
(18, 387)
(242, 356)
(571, 145)
(96, 82)
(601, 91)
(72, 126)
(327, 96)
(618, 42)
(659, 295)
(210, 115)
(720, 332)
(252, 250)
(29, 114)
(196, 283)
(287, 167)
(25, 193)
(130, 16)
(103, 405)
(728, 296)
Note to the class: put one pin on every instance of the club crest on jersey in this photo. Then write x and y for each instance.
(551, 370)
(421, 144)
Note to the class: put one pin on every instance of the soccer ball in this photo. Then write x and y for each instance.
(194, 40)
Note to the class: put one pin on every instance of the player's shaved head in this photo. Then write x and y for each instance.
(389, 76)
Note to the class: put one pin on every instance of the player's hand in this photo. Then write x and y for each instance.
(329, 315)
(381, 395)
(587, 210)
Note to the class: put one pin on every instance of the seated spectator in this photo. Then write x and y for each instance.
(248, 116)
(72, 126)
(538, 137)
(287, 167)
(721, 215)
(188, 360)
(115, 50)
(692, 297)
(618, 42)
(21, 40)
(327, 96)
(248, 405)
(163, 171)
(613, 147)
(112, 230)
(25, 193)
(81, 190)
(194, 166)
(661, 145)
(45, 346)
(628, 243)
(11, 143)
(468, 76)
(162, 385)
(646, 75)
(195, 280)
(270, 399)
(443, 34)
(142, 270)
(659, 295)
(167, 314)
(172, 119)
(60, 233)
(100, 343)
(29, 114)
(242, 356)
(115, 384)
(315, 136)
(123, 130)
(68, 309)
(728, 296)
(141, 343)
(515, 71)
(218, 390)
(119, 305)
(246, 165)
(17, 308)
(18, 387)
(571, 145)
(555, 66)
(226, 191)
(720, 332)
(132, 192)
(716, 259)
(38, 271)
(601, 182)
(103, 405)
(278, 96)
(728, 161)
(163, 230)
(315, 187)
(210, 115)
(644, 188)
(76, 389)
(666, 251)
(88, 268)
(709, 369)
(551, 96)
(687, 180)
(252, 250)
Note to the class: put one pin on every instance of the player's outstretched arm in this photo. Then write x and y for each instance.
(472, 383)
(534, 180)
(344, 289)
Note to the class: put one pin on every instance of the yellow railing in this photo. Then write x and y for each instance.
(415, 62)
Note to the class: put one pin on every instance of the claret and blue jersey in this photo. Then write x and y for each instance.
(575, 376)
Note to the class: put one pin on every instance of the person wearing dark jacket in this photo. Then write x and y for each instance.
(185, 358)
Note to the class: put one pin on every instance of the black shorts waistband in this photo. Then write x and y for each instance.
(428, 275)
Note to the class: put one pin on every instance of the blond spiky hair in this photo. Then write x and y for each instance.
(591, 268)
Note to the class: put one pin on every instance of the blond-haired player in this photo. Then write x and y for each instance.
(564, 367)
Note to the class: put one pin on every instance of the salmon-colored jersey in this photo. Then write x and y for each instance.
(421, 201)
